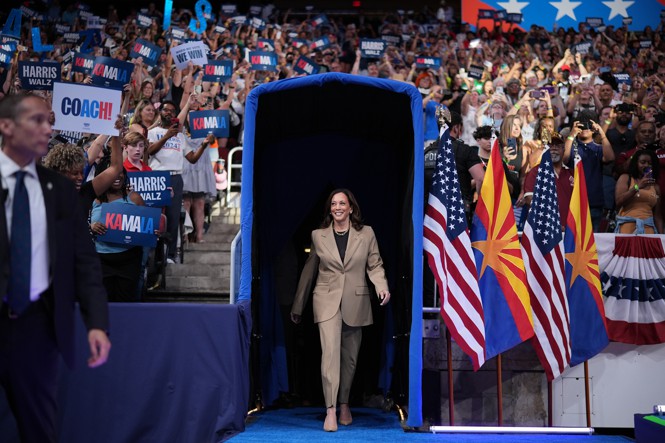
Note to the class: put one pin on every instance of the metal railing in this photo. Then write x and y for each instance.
(236, 264)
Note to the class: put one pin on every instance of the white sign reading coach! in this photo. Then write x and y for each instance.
(194, 52)
(86, 108)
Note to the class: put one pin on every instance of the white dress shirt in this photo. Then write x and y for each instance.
(39, 270)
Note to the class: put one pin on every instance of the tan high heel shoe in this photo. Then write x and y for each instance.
(330, 425)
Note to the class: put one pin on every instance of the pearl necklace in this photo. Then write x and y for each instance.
(340, 233)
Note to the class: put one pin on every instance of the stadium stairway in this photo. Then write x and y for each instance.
(205, 272)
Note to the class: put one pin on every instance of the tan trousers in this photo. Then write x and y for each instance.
(339, 353)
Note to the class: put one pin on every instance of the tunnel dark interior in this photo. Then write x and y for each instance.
(309, 141)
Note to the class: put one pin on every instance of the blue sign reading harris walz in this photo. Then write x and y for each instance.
(130, 225)
(153, 186)
(372, 48)
(111, 73)
(201, 123)
(147, 50)
(38, 75)
(263, 61)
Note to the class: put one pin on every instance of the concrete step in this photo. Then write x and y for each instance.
(211, 246)
(198, 284)
(207, 257)
(197, 270)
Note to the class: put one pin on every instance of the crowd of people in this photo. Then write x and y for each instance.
(598, 92)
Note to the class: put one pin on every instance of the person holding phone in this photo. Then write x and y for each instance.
(637, 196)
(593, 157)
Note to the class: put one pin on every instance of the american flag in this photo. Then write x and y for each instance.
(542, 242)
(448, 248)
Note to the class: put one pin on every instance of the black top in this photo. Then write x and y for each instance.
(465, 157)
(342, 241)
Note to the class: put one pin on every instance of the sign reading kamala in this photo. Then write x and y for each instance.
(38, 75)
(83, 63)
(201, 123)
(428, 62)
(130, 225)
(263, 61)
(320, 43)
(218, 71)
(305, 65)
(85, 108)
(111, 73)
(371, 48)
(265, 44)
(192, 51)
(147, 50)
(153, 186)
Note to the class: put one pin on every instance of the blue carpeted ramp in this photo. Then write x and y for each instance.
(374, 425)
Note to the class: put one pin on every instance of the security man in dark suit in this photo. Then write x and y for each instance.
(47, 263)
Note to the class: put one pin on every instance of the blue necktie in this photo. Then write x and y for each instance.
(20, 252)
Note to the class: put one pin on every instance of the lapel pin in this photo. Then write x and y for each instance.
(49, 186)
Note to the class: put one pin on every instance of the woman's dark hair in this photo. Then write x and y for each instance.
(355, 218)
(633, 170)
(537, 131)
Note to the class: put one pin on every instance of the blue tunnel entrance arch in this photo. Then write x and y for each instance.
(303, 138)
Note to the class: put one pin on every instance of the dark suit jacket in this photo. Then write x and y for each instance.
(75, 270)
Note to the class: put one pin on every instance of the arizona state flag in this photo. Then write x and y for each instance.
(588, 331)
(502, 279)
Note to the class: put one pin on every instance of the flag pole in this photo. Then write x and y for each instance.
(587, 395)
(499, 390)
(549, 404)
(451, 394)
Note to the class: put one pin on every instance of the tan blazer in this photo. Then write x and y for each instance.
(341, 283)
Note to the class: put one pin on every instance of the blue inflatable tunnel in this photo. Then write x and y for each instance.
(303, 138)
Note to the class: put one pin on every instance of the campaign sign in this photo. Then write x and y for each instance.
(265, 44)
(61, 29)
(152, 186)
(177, 35)
(220, 29)
(428, 62)
(83, 63)
(201, 123)
(627, 21)
(372, 48)
(624, 81)
(320, 43)
(305, 65)
(85, 108)
(500, 14)
(6, 57)
(392, 40)
(192, 51)
(255, 10)
(645, 44)
(71, 37)
(145, 49)
(594, 22)
(239, 19)
(485, 13)
(263, 61)
(476, 71)
(298, 42)
(111, 73)
(143, 20)
(218, 71)
(514, 18)
(320, 20)
(38, 75)
(257, 23)
(129, 224)
(582, 48)
(70, 136)
(229, 9)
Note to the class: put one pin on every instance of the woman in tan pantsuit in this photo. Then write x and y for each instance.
(343, 251)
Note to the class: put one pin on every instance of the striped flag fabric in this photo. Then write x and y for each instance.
(448, 248)
(501, 274)
(633, 281)
(588, 331)
(542, 242)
